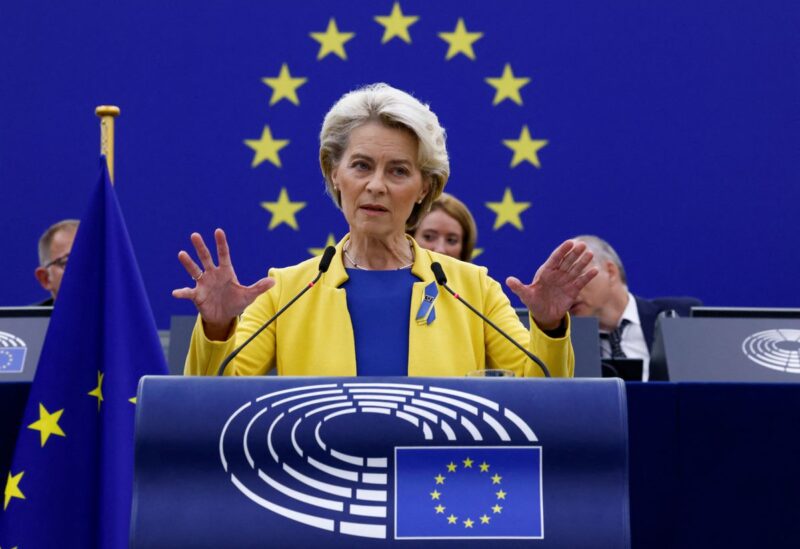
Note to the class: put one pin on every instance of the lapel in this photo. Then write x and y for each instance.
(337, 274)
(422, 264)
(425, 339)
(647, 318)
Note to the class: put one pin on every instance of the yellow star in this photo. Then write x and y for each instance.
(496, 479)
(525, 148)
(318, 251)
(452, 519)
(396, 24)
(12, 488)
(497, 508)
(266, 148)
(468, 523)
(435, 494)
(98, 391)
(484, 467)
(500, 495)
(132, 400)
(284, 86)
(332, 41)
(439, 508)
(47, 424)
(485, 519)
(508, 211)
(451, 467)
(439, 479)
(283, 210)
(507, 86)
(468, 463)
(476, 252)
(460, 41)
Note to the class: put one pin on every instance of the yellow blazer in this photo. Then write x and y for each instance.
(314, 337)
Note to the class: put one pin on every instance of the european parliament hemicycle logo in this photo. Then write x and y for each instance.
(775, 349)
(475, 471)
(12, 353)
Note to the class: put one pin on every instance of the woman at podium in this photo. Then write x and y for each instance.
(377, 310)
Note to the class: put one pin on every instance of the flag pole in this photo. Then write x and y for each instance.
(107, 114)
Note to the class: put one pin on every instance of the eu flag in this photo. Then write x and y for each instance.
(71, 480)
(468, 492)
(12, 359)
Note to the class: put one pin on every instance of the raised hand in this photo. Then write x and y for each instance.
(556, 284)
(217, 293)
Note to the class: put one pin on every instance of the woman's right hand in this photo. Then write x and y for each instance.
(217, 293)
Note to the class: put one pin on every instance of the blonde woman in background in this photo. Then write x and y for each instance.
(448, 228)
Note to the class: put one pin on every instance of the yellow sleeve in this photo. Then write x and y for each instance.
(205, 356)
(556, 353)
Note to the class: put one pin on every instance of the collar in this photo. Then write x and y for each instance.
(631, 312)
(421, 268)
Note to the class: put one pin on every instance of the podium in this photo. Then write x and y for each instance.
(380, 462)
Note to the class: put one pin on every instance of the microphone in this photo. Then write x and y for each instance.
(324, 263)
(441, 280)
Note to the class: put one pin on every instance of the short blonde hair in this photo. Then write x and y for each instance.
(394, 109)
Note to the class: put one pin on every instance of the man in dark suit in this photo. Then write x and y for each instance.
(54, 248)
(627, 322)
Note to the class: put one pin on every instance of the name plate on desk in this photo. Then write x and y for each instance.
(729, 349)
(376, 462)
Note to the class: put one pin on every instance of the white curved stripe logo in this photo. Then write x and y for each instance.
(278, 450)
(10, 340)
(775, 349)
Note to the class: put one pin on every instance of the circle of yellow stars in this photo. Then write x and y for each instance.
(467, 522)
(5, 359)
(461, 41)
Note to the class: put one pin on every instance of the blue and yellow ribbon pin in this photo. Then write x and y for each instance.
(427, 312)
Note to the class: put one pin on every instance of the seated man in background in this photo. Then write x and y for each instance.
(627, 322)
(54, 248)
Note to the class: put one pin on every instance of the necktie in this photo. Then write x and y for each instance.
(615, 340)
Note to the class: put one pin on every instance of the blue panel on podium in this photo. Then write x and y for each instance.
(374, 462)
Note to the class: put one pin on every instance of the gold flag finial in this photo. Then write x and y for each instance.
(107, 114)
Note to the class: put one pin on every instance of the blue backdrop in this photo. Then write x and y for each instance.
(672, 129)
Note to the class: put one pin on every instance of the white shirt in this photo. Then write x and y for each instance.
(633, 343)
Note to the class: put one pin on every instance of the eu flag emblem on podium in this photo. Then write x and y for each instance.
(468, 492)
(12, 354)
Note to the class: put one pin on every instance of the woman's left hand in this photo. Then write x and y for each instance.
(556, 284)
